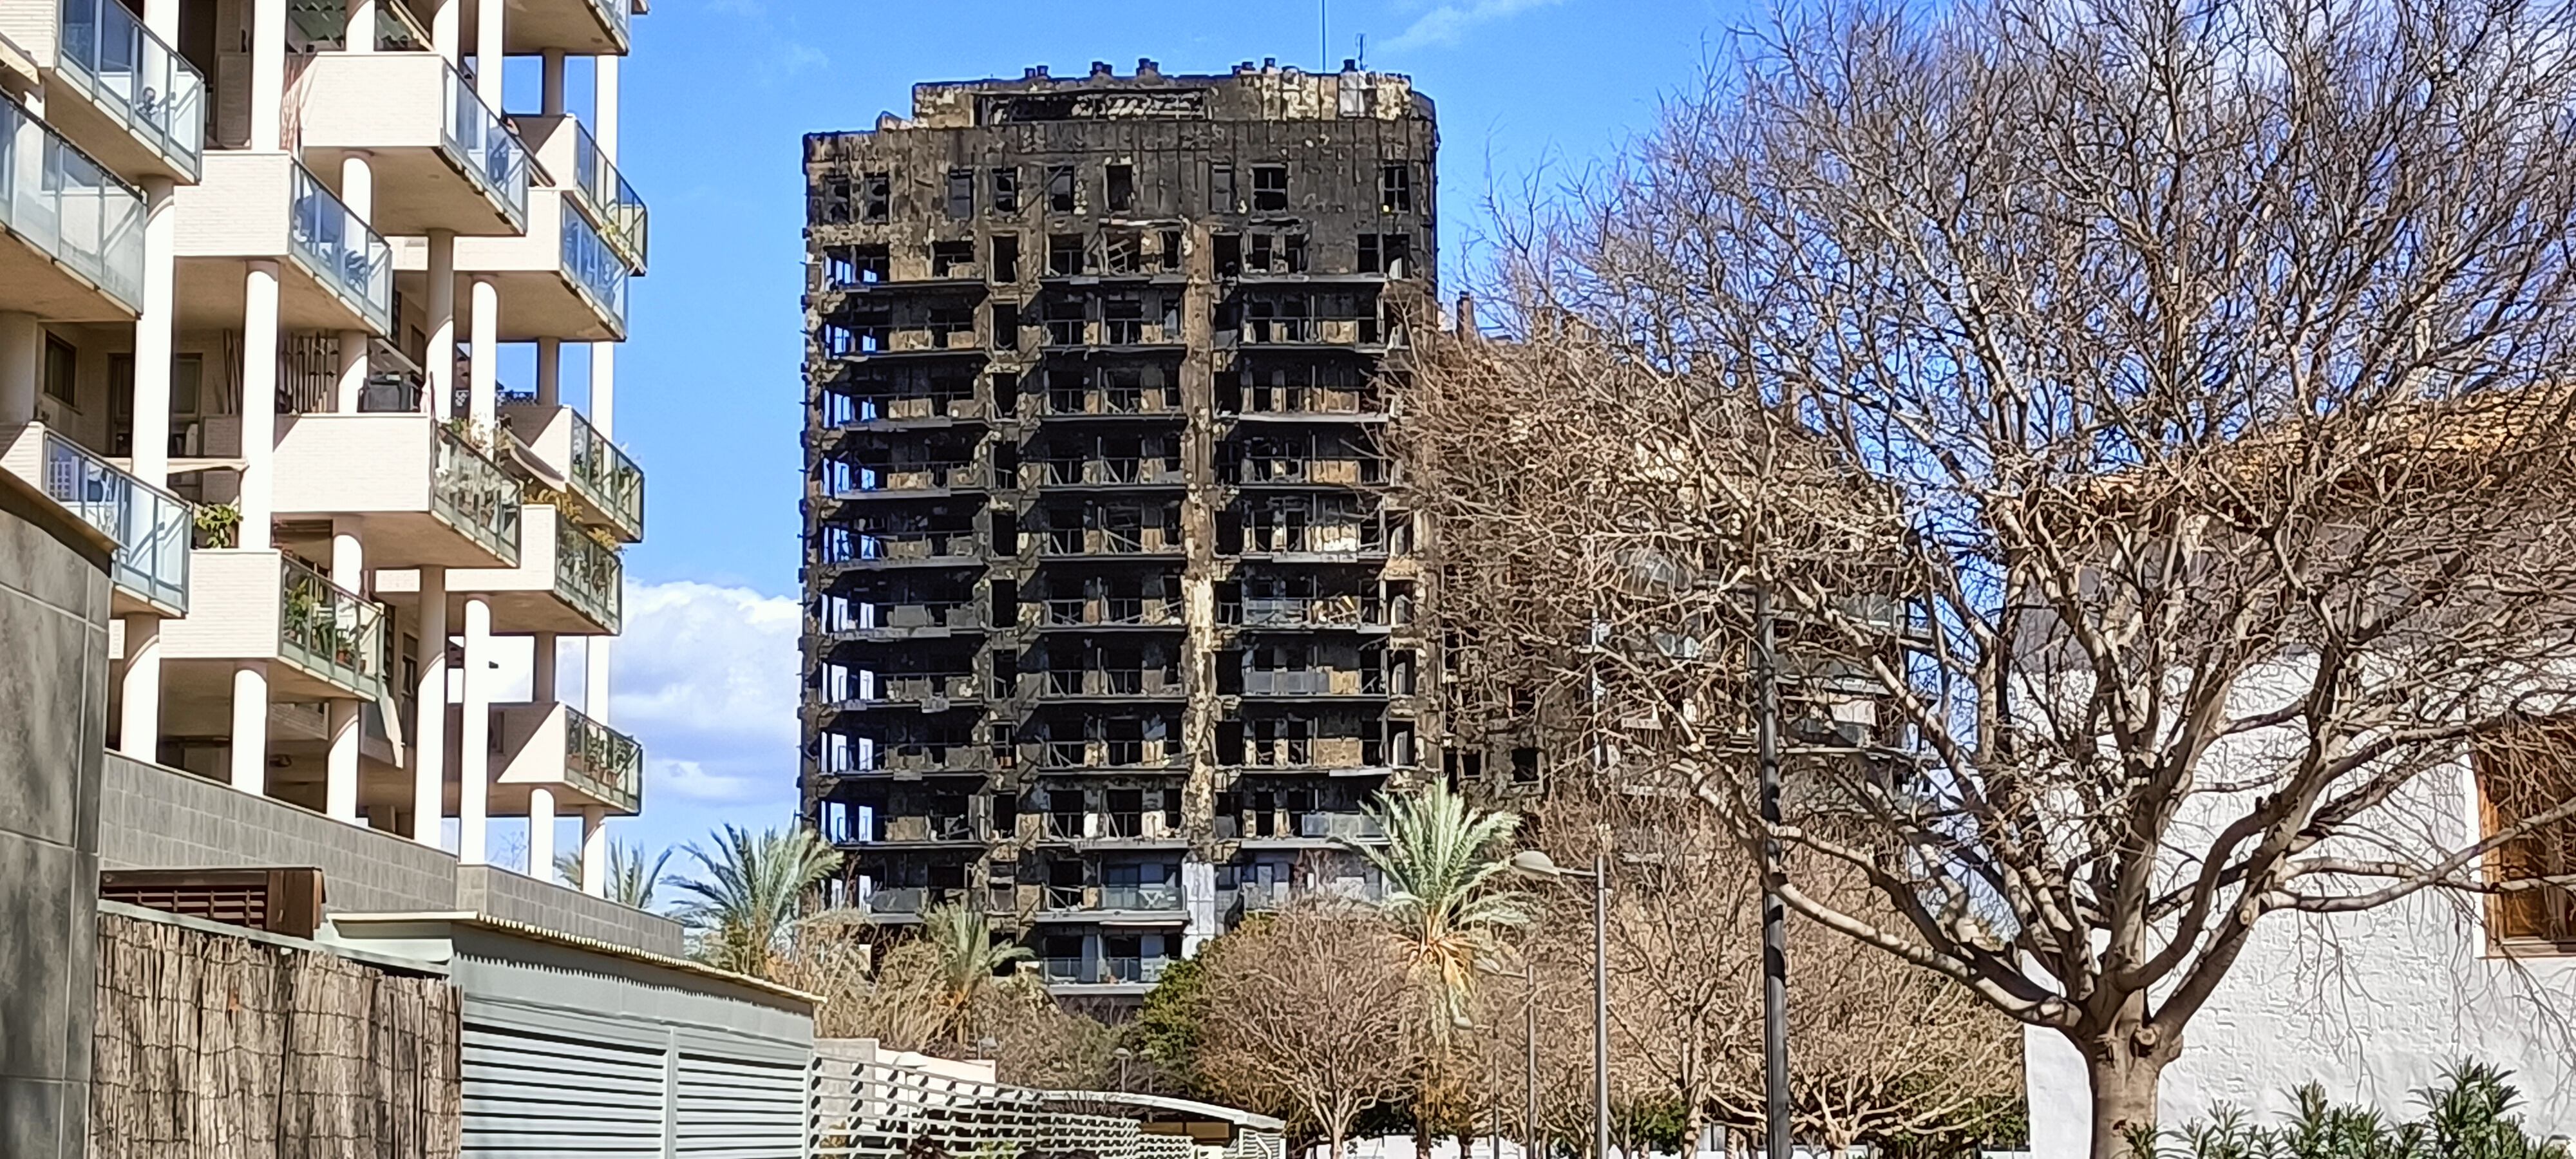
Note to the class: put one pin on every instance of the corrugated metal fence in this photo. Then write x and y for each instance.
(876, 1110)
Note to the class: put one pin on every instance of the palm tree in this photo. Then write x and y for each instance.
(746, 905)
(630, 881)
(966, 959)
(1440, 862)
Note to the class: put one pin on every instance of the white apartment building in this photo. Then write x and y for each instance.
(261, 261)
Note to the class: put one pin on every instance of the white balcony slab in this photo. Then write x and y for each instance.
(333, 273)
(565, 583)
(556, 281)
(420, 497)
(439, 157)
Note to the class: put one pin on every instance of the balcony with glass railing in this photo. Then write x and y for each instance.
(333, 634)
(603, 763)
(333, 243)
(595, 269)
(152, 527)
(567, 151)
(603, 481)
(442, 158)
(76, 231)
(589, 575)
(474, 495)
(116, 71)
(552, 745)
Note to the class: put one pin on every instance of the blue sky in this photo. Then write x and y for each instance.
(717, 96)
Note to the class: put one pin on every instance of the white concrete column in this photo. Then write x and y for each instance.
(488, 51)
(483, 384)
(250, 726)
(594, 850)
(603, 387)
(340, 777)
(447, 29)
(549, 372)
(152, 331)
(541, 668)
(474, 741)
(550, 90)
(429, 723)
(603, 104)
(259, 401)
(361, 32)
(541, 832)
(358, 192)
(139, 717)
(441, 308)
(22, 364)
(267, 74)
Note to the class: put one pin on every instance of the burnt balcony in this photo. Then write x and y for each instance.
(928, 407)
(1131, 401)
(1103, 474)
(941, 829)
(1087, 684)
(914, 692)
(1159, 613)
(1111, 756)
(1315, 683)
(897, 622)
(838, 548)
(867, 482)
(911, 760)
(1303, 613)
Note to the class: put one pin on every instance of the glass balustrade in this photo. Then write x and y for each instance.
(619, 207)
(54, 197)
(594, 267)
(330, 632)
(606, 476)
(603, 762)
(151, 526)
(136, 78)
(489, 151)
(589, 574)
(476, 496)
(340, 249)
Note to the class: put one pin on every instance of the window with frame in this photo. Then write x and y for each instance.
(961, 194)
(62, 371)
(1269, 188)
(2523, 774)
(1060, 188)
(1395, 189)
(1005, 186)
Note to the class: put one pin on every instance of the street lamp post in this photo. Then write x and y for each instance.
(1775, 915)
(1536, 863)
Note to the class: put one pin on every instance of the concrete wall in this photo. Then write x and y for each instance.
(161, 818)
(53, 726)
(515, 897)
(2370, 1005)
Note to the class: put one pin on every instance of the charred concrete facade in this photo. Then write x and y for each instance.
(1108, 618)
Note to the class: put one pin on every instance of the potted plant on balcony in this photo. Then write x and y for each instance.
(218, 525)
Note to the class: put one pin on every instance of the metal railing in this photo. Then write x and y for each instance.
(615, 11)
(1119, 968)
(871, 1110)
(337, 245)
(57, 199)
(329, 631)
(151, 526)
(1298, 611)
(594, 267)
(487, 150)
(615, 203)
(1140, 897)
(606, 476)
(137, 78)
(589, 574)
(603, 762)
(475, 495)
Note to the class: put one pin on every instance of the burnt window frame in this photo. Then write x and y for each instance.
(1264, 198)
(1063, 190)
(1395, 187)
(960, 194)
(1003, 188)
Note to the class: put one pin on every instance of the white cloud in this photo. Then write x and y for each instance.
(692, 781)
(1447, 24)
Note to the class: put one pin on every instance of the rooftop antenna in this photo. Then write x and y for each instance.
(1363, 53)
(1324, 35)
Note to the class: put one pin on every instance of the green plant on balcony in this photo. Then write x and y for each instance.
(310, 620)
(218, 525)
(470, 433)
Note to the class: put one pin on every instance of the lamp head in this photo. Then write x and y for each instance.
(1535, 863)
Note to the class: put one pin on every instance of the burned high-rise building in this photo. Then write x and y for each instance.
(1108, 612)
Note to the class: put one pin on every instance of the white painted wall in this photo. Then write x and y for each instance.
(2371, 1005)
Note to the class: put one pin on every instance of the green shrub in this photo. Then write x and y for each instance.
(2467, 1115)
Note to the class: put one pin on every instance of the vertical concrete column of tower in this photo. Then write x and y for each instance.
(1198, 593)
(258, 452)
(429, 724)
(358, 192)
(340, 765)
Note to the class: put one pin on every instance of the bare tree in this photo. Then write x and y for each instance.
(1885, 1053)
(2148, 423)
(1311, 1015)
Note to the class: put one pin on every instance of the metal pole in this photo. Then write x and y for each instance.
(1775, 915)
(1529, 1104)
(1601, 1006)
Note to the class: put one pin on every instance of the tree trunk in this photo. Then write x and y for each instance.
(2124, 1100)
